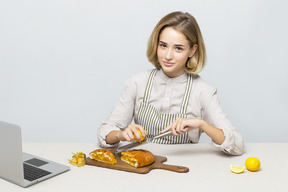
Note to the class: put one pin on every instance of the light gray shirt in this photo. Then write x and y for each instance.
(166, 95)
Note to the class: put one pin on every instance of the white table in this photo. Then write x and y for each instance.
(209, 170)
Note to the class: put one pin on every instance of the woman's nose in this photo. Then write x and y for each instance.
(169, 54)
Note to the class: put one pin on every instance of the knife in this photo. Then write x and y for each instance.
(137, 143)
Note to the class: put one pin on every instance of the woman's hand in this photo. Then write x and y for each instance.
(130, 131)
(126, 135)
(182, 125)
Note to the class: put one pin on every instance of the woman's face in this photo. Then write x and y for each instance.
(173, 51)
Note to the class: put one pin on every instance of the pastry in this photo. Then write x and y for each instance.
(137, 157)
(103, 155)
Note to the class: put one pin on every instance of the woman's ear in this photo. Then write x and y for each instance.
(193, 50)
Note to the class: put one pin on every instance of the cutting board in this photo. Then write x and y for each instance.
(123, 166)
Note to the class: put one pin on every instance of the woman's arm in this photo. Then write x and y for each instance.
(214, 114)
(214, 123)
(214, 133)
(120, 118)
(181, 125)
(113, 137)
(117, 126)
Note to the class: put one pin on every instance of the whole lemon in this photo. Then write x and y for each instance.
(141, 136)
(252, 164)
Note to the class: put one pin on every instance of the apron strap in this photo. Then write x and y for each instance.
(149, 86)
(186, 97)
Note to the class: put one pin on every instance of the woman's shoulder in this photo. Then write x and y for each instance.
(202, 90)
(202, 85)
(141, 76)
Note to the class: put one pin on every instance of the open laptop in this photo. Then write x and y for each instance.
(22, 168)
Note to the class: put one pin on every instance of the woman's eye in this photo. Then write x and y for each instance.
(179, 49)
(163, 45)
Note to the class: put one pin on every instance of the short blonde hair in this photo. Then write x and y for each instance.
(188, 26)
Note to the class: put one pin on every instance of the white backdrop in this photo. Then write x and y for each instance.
(64, 63)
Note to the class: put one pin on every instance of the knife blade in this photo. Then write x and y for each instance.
(136, 143)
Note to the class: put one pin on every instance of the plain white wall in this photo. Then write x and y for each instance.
(64, 63)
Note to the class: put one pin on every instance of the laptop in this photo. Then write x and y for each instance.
(22, 168)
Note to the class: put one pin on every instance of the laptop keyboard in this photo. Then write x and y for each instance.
(32, 173)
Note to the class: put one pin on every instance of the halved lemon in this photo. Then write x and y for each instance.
(141, 136)
(237, 169)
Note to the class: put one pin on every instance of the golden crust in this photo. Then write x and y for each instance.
(103, 155)
(138, 157)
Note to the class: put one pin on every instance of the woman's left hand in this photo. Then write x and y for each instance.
(182, 125)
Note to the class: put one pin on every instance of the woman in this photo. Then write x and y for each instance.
(172, 96)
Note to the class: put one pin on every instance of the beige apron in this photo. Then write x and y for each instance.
(153, 120)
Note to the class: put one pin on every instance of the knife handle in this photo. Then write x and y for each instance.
(162, 135)
(176, 168)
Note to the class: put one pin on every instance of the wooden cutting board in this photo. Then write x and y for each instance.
(122, 166)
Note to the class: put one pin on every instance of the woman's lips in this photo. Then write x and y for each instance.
(168, 64)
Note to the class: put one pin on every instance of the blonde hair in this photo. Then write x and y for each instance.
(188, 26)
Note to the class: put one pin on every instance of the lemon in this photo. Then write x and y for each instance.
(252, 164)
(141, 136)
(237, 169)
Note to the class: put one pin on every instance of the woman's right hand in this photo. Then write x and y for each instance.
(128, 133)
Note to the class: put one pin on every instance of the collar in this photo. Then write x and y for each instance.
(181, 78)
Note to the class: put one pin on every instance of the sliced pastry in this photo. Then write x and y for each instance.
(103, 155)
(138, 157)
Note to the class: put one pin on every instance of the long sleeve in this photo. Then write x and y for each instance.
(214, 114)
(121, 115)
